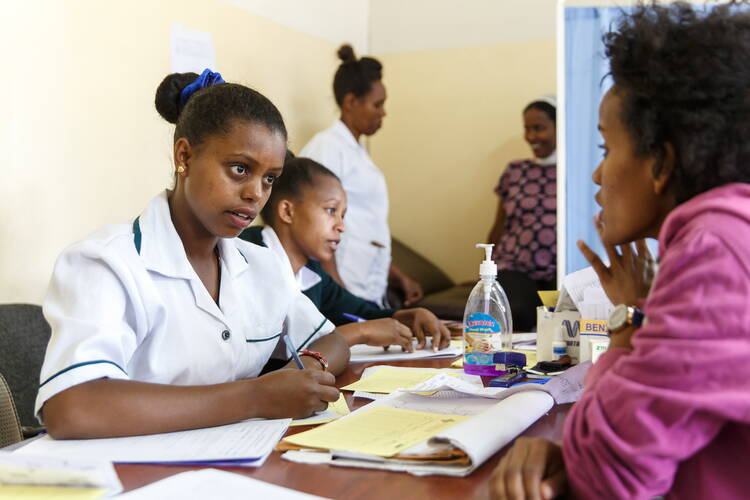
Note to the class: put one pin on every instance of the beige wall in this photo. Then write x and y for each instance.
(454, 122)
(458, 75)
(82, 145)
(81, 142)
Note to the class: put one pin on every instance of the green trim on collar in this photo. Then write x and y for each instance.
(78, 365)
(265, 339)
(242, 255)
(137, 235)
(312, 334)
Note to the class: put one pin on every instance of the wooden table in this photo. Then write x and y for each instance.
(350, 483)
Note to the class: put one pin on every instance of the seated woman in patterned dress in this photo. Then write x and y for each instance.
(524, 232)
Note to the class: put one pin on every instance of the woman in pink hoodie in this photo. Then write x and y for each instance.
(666, 410)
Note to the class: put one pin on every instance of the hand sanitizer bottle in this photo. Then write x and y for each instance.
(488, 325)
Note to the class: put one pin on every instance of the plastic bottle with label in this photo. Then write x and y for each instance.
(488, 325)
(559, 346)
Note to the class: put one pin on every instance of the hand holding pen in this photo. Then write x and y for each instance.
(292, 350)
(294, 393)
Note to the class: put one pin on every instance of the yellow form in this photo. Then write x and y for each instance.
(387, 380)
(381, 431)
(549, 297)
(8, 492)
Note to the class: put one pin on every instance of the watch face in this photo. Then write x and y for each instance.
(618, 317)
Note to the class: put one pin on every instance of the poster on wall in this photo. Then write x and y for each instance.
(192, 50)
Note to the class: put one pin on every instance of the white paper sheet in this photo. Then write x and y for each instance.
(472, 379)
(443, 382)
(248, 443)
(192, 50)
(482, 436)
(564, 388)
(576, 286)
(212, 483)
(367, 353)
(23, 468)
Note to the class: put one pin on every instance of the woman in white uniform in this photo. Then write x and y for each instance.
(166, 322)
(363, 259)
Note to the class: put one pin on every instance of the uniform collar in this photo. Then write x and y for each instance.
(305, 278)
(162, 250)
(346, 135)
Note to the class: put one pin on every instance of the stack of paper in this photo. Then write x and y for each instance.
(245, 443)
(449, 433)
(582, 291)
(381, 431)
(564, 388)
(369, 354)
(386, 379)
(420, 435)
(24, 475)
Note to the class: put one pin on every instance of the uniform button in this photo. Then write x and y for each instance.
(225, 335)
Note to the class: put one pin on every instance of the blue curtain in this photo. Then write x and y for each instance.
(585, 84)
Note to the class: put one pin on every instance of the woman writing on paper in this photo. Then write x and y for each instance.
(164, 323)
(524, 232)
(666, 410)
(363, 260)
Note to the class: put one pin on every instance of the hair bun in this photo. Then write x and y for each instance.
(346, 53)
(167, 99)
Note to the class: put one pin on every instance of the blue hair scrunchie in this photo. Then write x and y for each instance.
(206, 79)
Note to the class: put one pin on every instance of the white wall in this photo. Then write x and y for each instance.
(332, 20)
(414, 25)
(458, 75)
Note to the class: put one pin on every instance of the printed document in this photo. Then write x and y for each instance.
(243, 443)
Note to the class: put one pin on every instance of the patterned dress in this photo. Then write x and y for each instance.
(529, 196)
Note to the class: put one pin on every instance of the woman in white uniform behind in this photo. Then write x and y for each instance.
(166, 322)
(362, 263)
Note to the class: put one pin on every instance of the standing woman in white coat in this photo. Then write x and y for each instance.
(362, 263)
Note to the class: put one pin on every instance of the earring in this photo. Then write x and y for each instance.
(181, 169)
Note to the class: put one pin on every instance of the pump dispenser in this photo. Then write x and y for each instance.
(487, 320)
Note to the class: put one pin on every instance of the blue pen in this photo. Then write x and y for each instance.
(537, 381)
(353, 317)
(291, 348)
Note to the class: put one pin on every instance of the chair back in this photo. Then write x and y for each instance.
(24, 334)
(418, 268)
(10, 427)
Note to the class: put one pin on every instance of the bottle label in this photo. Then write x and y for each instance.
(483, 337)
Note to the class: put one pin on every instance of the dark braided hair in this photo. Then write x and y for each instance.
(213, 110)
(299, 175)
(683, 74)
(354, 75)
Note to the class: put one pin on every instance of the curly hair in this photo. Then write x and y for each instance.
(683, 73)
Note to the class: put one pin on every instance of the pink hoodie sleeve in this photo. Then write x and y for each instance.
(646, 410)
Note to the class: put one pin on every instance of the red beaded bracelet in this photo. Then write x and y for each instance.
(315, 354)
